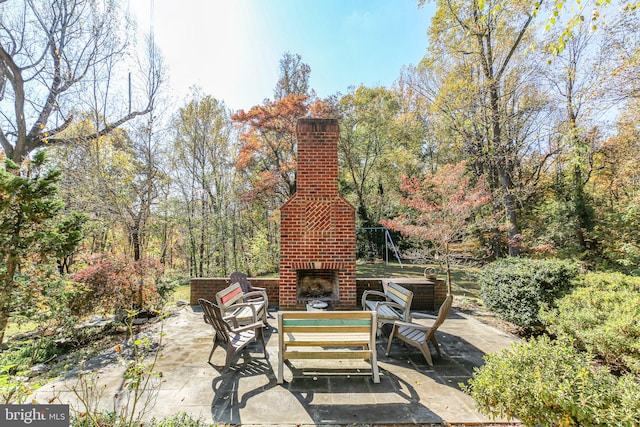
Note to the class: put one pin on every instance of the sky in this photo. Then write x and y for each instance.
(231, 48)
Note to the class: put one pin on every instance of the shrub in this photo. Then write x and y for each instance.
(516, 288)
(48, 300)
(117, 284)
(545, 383)
(181, 419)
(601, 316)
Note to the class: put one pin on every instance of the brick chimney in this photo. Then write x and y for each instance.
(317, 230)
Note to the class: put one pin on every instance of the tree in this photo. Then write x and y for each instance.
(375, 147)
(442, 207)
(268, 137)
(578, 76)
(615, 188)
(203, 159)
(117, 180)
(60, 57)
(28, 226)
(578, 14)
(486, 38)
(294, 77)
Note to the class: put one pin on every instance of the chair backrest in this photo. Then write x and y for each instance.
(400, 295)
(213, 316)
(230, 295)
(443, 312)
(239, 277)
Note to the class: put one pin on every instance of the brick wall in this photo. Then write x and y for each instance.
(207, 287)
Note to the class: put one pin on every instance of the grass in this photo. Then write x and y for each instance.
(464, 279)
(180, 293)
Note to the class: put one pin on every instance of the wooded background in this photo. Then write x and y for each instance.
(543, 112)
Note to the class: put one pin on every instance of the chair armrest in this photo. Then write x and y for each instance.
(391, 304)
(243, 304)
(254, 294)
(418, 315)
(249, 327)
(366, 293)
(231, 318)
(412, 325)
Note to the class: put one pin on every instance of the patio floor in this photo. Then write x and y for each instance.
(410, 392)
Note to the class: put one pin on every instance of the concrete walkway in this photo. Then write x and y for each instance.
(410, 392)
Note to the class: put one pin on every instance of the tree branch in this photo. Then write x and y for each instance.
(14, 75)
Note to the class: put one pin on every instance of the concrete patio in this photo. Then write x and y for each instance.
(410, 392)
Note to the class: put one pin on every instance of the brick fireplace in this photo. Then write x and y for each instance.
(317, 229)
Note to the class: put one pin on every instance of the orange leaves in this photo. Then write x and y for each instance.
(274, 116)
(268, 151)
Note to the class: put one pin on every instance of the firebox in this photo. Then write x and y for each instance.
(317, 285)
(317, 225)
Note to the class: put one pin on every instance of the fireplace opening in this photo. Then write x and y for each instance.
(319, 285)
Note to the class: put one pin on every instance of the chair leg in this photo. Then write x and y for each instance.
(434, 341)
(215, 344)
(424, 348)
(391, 335)
(264, 346)
(231, 352)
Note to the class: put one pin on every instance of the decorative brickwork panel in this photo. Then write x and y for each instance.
(317, 216)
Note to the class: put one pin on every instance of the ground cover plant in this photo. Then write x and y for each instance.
(550, 383)
(583, 371)
(601, 316)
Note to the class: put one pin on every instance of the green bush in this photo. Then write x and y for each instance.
(110, 419)
(516, 288)
(545, 383)
(179, 420)
(602, 316)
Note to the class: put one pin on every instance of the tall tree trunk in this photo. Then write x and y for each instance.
(5, 293)
(502, 165)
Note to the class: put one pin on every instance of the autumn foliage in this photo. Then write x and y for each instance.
(442, 208)
(268, 143)
(114, 283)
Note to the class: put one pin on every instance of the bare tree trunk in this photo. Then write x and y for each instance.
(5, 293)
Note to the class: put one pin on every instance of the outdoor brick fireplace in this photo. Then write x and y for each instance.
(317, 230)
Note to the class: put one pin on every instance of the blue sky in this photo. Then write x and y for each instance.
(231, 48)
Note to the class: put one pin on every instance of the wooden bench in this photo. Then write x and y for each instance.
(391, 305)
(246, 307)
(327, 335)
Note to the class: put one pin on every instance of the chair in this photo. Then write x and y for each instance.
(245, 284)
(391, 305)
(229, 332)
(233, 302)
(419, 335)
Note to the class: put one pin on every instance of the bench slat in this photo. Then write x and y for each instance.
(334, 329)
(328, 354)
(289, 323)
(326, 315)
